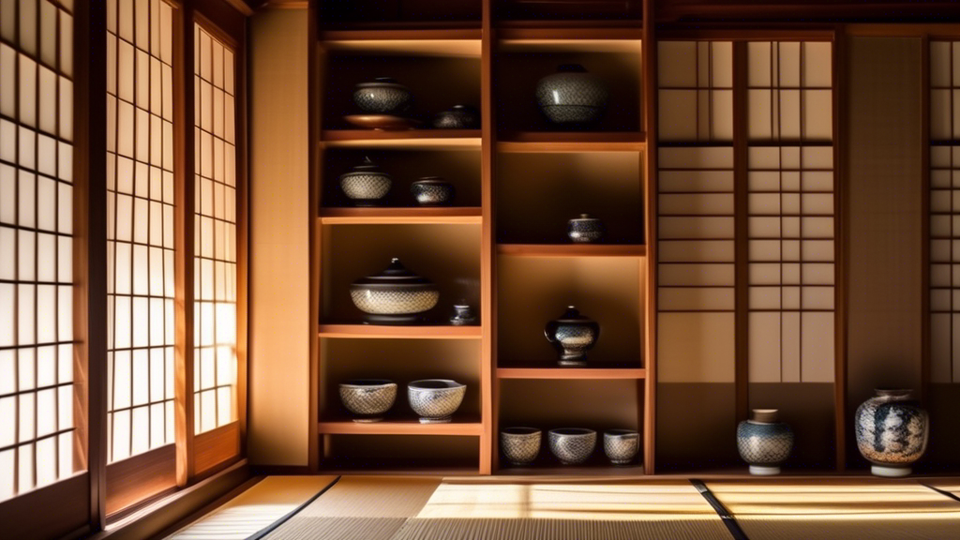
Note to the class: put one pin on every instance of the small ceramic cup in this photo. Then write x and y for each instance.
(621, 445)
(520, 445)
(572, 445)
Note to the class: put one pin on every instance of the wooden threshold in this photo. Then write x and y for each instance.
(400, 216)
(596, 373)
(572, 250)
(369, 331)
(400, 427)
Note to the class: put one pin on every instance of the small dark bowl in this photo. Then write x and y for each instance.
(432, 191)
(458, 117)
(382, 96)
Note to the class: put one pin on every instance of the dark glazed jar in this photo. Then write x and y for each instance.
(432, 191)
(572, 335)
(382, 96)
(458, 117)
(585, 229)
(572, 96)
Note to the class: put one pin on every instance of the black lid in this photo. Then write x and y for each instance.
(395, 274)
(572, 314)
(431, 180)
(381, 81)
(367, 166)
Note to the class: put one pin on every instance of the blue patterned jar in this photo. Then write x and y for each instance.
(892, 432)
(572, 96)
(763, 442)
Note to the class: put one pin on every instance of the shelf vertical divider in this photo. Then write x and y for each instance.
(489, 385)
(648, 105)
(315, 58)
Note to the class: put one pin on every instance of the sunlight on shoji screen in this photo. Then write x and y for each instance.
(696, 274)
(215, 222)
(791, 228)
(944, 212)
(36, 244)
(140, 227)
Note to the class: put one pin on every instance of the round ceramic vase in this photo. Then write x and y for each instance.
(572, 96)
(520, 445)
(395, 296)
(892, 432)
(585, 229)
(458, 117)
(572, 334)
(763, 442)
(368, 399)
(366, 184)
(432, 191)
(383, 95)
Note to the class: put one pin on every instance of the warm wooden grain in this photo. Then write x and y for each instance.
(570, 373)
(134, 479)
(572, 250)
(400, 216)
(360, 331)
(649, 328)
(216, 446)
(400, 427)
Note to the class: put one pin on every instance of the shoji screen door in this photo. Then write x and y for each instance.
(39, 442)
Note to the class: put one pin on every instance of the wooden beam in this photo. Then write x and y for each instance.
(649, 330)
(488, 242)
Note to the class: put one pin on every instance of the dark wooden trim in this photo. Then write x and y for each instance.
(90, 253)
(925, 225)
(281, 470)
(761, 12)
(134, 479)
(242, 138)
(222, 13)
(49, 512)
(316, 64)
(742, 232)
(651, 122)
(841, 249)
(489, 454)
(727, 32)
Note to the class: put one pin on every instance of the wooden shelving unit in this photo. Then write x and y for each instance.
(529, 45)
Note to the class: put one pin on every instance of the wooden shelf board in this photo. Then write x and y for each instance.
(570, 373)
(399, 216)
(524, 35)
(572, 250)
(403, 426)
(412, 138)
(571, 141)
(370, 331)
(554, 468)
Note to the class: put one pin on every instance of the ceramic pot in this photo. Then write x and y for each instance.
(572, 445)
(368, 399)
(572, 335)
(763, 442)
(395, 296)
(585, 229)
(463, 315)
(458, 117)
(382, 96)
(572, 96)
(520, 445)
(435, 400)
(892, 432)
(432, 191)
(366, 184)
(621, 445)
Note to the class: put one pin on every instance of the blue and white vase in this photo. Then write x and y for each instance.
(763, 442)
(892, 432)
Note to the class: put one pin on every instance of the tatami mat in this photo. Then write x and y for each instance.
(359, 508)
(255, 509)
(830, 509)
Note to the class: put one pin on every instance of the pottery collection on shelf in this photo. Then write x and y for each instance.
(572, 334)
(585, 229)
(432, 191)
(395, 296)
(387, 105)
(764, 442)
(571, 446)
(892, 432)
(434, 400)
(572, 96)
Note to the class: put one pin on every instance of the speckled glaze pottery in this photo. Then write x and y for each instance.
(383, 95)
(395, 296)
(585, 229)
(366, 184)
(572, 96)
(520, 445)
(892, 432)
(572, 335)
(572, 445)
(463, 314)
(621, 445)
(435, 400)
(368, 399)
(763, 442)
(432, 191)
(457, 117)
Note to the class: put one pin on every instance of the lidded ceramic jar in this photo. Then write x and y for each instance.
(366, 184)
(394, 296)
(432, 191)
(585, 229)
(463, 314)
(572, 96)
(763, 442)
(892, 431)
(457, 117)
(383, 95)
(572, 334)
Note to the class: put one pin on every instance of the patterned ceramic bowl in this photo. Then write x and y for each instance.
(382, 96)
(366, 184)
(368, 399)
(572, 445)
(520, 445)
(585, 229)
(459, 117)
(395, 296)
(432, 191)
(572, 96)
(435, 400)
(621, 445)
